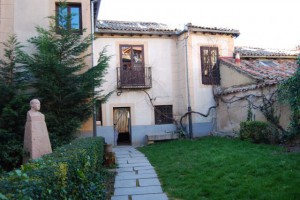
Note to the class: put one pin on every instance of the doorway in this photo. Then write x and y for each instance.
(122, 126)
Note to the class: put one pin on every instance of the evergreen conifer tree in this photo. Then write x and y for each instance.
(13, 105)
(62, 80)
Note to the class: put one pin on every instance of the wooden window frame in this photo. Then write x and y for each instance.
(131, 46)
(210, 73)
(132, 72)
(69, 6)
(163, 117)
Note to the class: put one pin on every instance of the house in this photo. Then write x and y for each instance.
(21, 18)
(159, 74)
(257, 73)
(156, 74)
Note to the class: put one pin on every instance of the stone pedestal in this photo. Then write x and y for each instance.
(36, 138)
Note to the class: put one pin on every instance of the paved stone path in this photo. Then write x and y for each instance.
(136, 179)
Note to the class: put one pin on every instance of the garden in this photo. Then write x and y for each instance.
(222, 168)
(206, 168)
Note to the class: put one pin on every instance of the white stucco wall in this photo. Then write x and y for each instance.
(27, 15)
(167, 57)
(201, 95)
(161, 55)
(230, 115)
(239, 78)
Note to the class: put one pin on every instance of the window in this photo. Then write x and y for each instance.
(132, 72)
(209, 65)
(132, 56)
(99, 121)
(69, 17)
(163, 114)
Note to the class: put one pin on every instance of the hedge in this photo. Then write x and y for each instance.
(73, 171)
(259, 132)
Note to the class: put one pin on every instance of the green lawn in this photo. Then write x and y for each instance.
(220, 168)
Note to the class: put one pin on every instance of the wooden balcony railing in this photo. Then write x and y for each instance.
(136, 77)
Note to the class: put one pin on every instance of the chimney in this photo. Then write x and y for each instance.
(237, 58)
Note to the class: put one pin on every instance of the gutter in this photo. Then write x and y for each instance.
(188, 85)
(93, 37)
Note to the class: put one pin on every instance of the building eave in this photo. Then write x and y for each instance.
(269, 57)
(131, 32)
(234, 33)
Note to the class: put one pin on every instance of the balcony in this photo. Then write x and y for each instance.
(134, 78)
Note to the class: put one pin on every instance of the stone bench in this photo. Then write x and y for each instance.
(161, 137)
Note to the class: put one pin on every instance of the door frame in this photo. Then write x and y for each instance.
(129, 122)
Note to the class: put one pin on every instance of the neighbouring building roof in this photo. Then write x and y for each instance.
(252, 52)
(263, 71)
(213, 30)
(134, 27)
(109, 26)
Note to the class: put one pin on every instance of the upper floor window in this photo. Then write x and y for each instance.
(69, 17)
(132, 56)
(163, 114)
(209, 65)
(132, 72)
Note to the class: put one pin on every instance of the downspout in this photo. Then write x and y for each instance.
(92, 35)
(188, 85)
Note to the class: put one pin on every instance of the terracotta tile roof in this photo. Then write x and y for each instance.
(261, 52)
(215, 30)
(262, 71)
(134, 27)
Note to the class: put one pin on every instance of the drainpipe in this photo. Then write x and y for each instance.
(188, 84)
(92, 32)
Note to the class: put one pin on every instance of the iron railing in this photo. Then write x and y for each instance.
(136, 77)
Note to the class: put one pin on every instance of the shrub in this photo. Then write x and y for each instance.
(73, 171)
(259, 132)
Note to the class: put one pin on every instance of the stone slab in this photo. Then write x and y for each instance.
(122, 153)
(136, 160)
(146, 171)
(119, 198)
(125, 183)
(161, 196)
(143, 167)
(149, 182)
(135, 176)
(138, 190)
(134, 155)
(125, 169)
(126, 173)
(134, 165)
(122, 156)
(122, 161)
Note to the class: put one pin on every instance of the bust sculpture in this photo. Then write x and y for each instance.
(36, 138)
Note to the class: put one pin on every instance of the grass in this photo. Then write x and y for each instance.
(220, 168)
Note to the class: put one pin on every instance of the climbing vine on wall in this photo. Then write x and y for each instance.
(289, 92)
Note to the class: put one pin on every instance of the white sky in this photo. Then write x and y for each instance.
(262, 23)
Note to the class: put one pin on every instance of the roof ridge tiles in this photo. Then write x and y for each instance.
(140, 26)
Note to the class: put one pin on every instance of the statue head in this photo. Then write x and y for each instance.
(35, 105)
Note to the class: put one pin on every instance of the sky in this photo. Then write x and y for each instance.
(262, 23)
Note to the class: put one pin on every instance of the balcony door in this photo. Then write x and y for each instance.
(132, 71)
